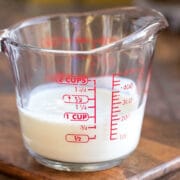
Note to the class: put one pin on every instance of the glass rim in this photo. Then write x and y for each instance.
(133, 39)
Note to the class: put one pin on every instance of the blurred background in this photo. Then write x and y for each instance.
(164, 97)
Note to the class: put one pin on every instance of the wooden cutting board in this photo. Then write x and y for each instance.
(160, 142)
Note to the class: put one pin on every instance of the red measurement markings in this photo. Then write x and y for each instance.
(50, 41)
(82, 103)
(128, 86)
(92, 127)
(93, 89)
(78, 138)
(69, 79)
(81, 107)
(124, 117)
(84, 127)
(80, 89)
(116, 104)
(75, 99)
(127, 101)
(74, 116)
(115, 108)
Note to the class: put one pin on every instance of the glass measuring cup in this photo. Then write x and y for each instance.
(81, 84)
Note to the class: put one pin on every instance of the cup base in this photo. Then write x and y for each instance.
(75, 167)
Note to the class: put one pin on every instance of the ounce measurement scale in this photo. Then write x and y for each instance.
(124, 101)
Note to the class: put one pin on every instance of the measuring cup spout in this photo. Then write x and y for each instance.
(160, 20)
(157, 22)
(145, 28)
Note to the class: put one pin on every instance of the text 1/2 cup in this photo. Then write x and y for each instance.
(81, 84)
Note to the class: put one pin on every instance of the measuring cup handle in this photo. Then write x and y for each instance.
(3, 36)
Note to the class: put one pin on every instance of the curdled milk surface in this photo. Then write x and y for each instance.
(45, 127)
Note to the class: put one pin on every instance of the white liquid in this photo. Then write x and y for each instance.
(44, 126)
